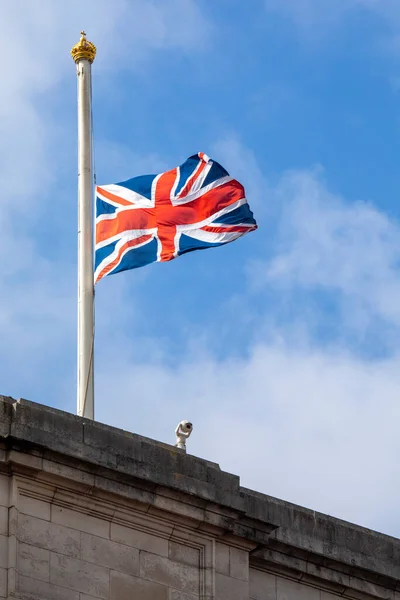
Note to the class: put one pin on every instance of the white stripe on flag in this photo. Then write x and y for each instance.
(125, 193)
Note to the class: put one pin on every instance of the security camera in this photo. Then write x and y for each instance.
(182, 432)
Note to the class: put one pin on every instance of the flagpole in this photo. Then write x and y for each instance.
(84, 53)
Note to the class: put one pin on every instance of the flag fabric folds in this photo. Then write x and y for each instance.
(159, 217)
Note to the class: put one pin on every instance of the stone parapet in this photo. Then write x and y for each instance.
(88, 511)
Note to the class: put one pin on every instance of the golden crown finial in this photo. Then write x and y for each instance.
(83, 50)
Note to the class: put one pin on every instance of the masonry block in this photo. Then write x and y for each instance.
(262, 585)
(139, 539)
(50, 536)
(222, 558)
(33, 589)
(34, 562)
(238, 563)
(34, 507)
(228, 588)
(126, 587)
(4, 490)
(294, 590)
(3, 551)
(185, 554)
(11, 546)
(110, 554)
(3, 520)
(167, 572)
(12, 520)
(3, 583)
(79, 575)
(176, 595)
(80, 521)
(67, 472)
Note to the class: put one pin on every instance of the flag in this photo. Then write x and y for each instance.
(159, 217)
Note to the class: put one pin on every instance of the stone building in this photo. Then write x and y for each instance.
(90, 512)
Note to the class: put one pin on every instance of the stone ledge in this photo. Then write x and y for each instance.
(107, 460)
(323, 573)
(118, 450)
(307, 532)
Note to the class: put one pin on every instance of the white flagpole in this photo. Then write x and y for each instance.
(84, 53)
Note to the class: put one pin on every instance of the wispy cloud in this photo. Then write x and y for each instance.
(241, 161)
(327, 243)
(316, 426)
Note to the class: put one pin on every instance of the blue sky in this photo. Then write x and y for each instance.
(284, 347)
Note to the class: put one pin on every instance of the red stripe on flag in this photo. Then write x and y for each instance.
(165, 214)
(232, 229)
(113, 197)
(127, 220)
(129, 244)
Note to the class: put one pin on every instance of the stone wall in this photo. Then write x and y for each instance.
(63, 544)
(88, 512)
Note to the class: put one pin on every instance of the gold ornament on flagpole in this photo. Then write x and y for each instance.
(83, 50)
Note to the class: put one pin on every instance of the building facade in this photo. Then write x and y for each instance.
(90, 512)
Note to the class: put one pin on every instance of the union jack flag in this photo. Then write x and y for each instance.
(159, 217)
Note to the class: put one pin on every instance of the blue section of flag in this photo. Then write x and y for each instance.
(242, 214)
(141, 185)
(188, 244)
(138, 257)
(186, 170)
(104, 208)
(102, 253)
(216, 172)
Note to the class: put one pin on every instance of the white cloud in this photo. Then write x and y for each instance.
(241, 161)
(326, 243)
(314, 426)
